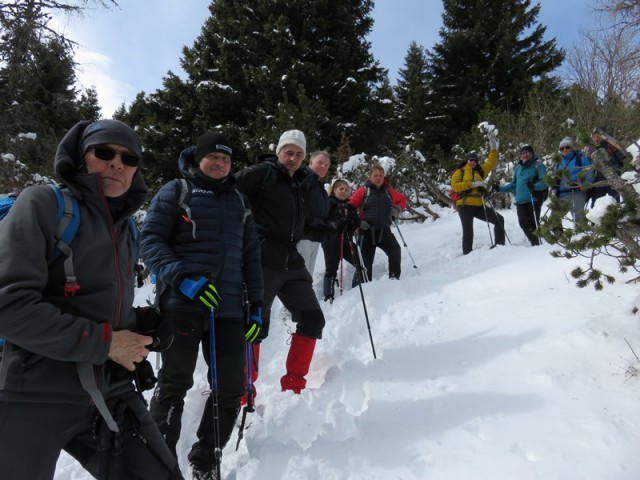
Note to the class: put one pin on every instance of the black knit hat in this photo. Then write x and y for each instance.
(212, 142)
(472, 156)
(102, 132)
(526, 148)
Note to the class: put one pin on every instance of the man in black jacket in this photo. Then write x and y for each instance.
(274, 189)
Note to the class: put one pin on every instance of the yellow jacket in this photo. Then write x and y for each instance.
(462, 177)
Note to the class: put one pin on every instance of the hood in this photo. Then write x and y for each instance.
(68, 163)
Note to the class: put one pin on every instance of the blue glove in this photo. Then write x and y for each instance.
(202, 290)
(254, 323)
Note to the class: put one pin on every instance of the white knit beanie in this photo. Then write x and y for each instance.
(566, 142)
(292, 137)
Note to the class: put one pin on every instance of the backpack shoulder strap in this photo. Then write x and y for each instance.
(246, 208)
(185, 196)
(68, 213)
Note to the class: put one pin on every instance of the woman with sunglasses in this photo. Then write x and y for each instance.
(66, 377)
(468, 181)
(573, 174)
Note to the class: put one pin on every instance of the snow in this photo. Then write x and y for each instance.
(492, 365)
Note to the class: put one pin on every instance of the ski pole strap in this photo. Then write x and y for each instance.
(88, 381)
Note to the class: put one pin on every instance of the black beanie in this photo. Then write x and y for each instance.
(527, 148)
(212, 142)
(472, 156)
(104, 131)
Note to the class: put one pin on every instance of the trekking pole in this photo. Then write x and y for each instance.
(341, 260)
(359, 269)
(249, 407)
(364, 271)
(492, 206)
(535, 217)
(214, 393)
(395, 222)
(486, 219)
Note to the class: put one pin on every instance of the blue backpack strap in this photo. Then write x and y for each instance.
(5, 204)
(68, 222)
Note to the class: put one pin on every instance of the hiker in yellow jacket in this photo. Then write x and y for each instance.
(468, 181)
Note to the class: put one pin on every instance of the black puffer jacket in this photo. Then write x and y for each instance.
(225, 244)
(277, 202)
(48, 333)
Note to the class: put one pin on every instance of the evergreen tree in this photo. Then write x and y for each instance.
(38, 97)
(276, 64)
(490, 53)
(164, 121)
(412, 96)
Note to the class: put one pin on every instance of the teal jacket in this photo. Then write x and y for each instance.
(524, 173)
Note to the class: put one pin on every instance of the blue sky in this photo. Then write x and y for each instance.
(129, 49)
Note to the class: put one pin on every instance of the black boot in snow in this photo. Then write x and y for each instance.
(329, 291)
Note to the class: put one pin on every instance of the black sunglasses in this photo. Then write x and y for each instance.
(108, 154)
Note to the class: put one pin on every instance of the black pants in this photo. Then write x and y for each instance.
(468, 213)
(33, 434)
(528, 218)
(332, 253)
(176, 378)
(295, 291)
(382, 238)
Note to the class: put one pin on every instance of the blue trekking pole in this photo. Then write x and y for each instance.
(214, 392)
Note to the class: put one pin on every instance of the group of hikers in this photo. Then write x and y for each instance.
(222, 246)
(577, 182)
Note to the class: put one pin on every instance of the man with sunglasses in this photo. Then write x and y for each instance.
(66, 380)
(573, 175)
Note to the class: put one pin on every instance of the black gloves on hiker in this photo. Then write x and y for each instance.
(351, 217)
(254, 323)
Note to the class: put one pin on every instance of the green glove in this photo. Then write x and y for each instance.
(202, 290)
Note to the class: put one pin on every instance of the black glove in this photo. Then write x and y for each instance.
(495, 188)
(150, 322)
(144, 376)
(530, 185)
(253, 326)
(350, 214)
(202, 290)
(364, 225)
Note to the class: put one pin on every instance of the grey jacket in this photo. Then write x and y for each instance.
(47, 334)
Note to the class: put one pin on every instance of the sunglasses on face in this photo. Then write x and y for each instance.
(565, 148)
(108, 154)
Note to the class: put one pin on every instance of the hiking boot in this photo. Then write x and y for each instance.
(204, 474)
